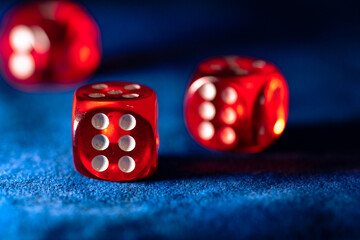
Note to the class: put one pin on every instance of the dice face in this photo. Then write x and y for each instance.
(48, 44)
(236, 104)
(115, 134)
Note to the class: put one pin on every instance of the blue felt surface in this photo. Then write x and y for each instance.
(306, 186)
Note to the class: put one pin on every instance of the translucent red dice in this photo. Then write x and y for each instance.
(115, 134)
(236, 104)
(48, 43)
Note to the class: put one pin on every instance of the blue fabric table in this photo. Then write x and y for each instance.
(305, 186)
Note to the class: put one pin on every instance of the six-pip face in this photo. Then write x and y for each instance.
(115, 134)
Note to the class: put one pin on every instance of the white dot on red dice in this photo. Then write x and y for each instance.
(127, 143)
(215, 67)
(100, 163)
(99, 86)
(229, 95)
(132, 86)
(42, 41)
(100, 121)
(100, 142)
(262, 130)
(240, 71)
(207, 110)
(227, 135)
(131, 95)
(126, 164)
(228, 115)
(259, 64)
(127, 122)
(22, 39)
(96, 95)
(262, 99)
(21, 65)
(208, 91)
(206, 130)
(114, 92)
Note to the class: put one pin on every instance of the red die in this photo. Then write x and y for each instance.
(48, 43)
(236, 104)
(115, 134)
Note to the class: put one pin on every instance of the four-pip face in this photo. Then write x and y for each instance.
(115, 134)
(236, 104)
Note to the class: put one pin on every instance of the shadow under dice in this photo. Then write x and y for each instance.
(114, 131)
(236, 104)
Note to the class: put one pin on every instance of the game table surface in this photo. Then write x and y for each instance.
(307, 185)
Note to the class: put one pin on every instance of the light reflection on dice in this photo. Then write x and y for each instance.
(236, 104)
(115, 135)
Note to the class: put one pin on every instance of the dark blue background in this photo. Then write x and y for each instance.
(306, 186)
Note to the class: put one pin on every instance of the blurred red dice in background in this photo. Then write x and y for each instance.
(47, 44)
(115, 135)
(236, 104)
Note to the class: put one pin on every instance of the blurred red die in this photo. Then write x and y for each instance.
(47, 44)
